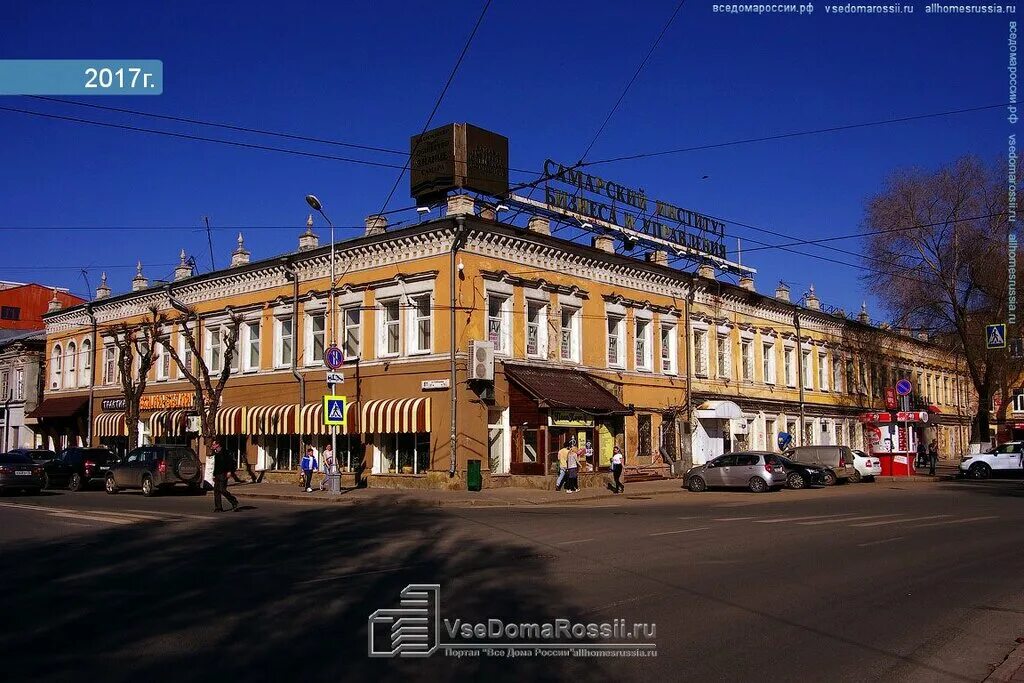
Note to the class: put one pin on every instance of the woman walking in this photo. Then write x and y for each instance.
(572, 471)
(617, 469)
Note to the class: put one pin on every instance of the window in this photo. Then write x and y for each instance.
(768, 362)
(390, 336)
(823, 371)
(214, 351)
(805, 357)
(5, 385)
(945, 391)
(808, 433)
(724, 357)
(851, 381)
(405, 453)
(615, 348)
(85, 374)
(10, 313)
(643, 433)
(109, 363)
(283, 342)
(668, 349)
(163, 360)
(643, 344)
(71, 373)
(536, 329)
(499, 310)
(19, 387)
(770, 436)
(251, 346)
(837, 375)
(788, 366)
(351, 319)
(496, 420)
(570, 346)
(184, 353)
(316, 331)
(700, 353)
(56, 366)
(419, 328)
(863, 373)
(747, 359)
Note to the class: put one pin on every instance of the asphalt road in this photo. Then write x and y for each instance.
(919, 582)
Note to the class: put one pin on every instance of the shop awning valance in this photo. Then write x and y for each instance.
(396, 416)
(110, 424)
(565, 388)
(64, 406)
(719, 410)
(275, 419)
(167, 423)
(311, 419)
(230, 420)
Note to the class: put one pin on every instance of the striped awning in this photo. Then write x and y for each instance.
(110, 424)
(167, 423)
(396, 416)
(276, 419)
(230, 420)
(311, 419)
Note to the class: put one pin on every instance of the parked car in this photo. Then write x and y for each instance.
(40, 455)
(867, 466)
(156, 468)
(1003, 459)
(837, 461)
(799, 475)
(756, 470)
(20, 472)
(77, 468)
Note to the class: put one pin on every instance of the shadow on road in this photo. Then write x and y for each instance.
(275, 598)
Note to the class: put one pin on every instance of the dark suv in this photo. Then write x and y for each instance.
(77, 467)
(152, 468)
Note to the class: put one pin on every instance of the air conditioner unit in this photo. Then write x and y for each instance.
(481, 360)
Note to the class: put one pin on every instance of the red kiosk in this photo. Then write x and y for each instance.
(892, 437)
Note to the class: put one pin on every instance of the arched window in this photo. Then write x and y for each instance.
(85, 374)
(56, 366)
(70, 369)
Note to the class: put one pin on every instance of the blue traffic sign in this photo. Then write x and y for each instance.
(784, 440)
(335, 408)
(333, 357)
(904, 387)
(995, 336)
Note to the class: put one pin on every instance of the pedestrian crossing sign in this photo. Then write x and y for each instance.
(995, 336)
(335, 408)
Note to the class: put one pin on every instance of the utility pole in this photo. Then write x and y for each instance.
(209, 240)
(800, 376)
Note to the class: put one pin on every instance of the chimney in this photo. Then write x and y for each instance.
(103, 291)
(659, 256)
(376, 224)
(461, 205)
(183, 269)
(488, 212)
(922, 335)
(863, 315)
(811, 300)
(539, 224)
(308, 240)
(747, 283)
(604, 243)
(782, 291)
(240, 256)
(139, 282)
(706, 270)
(54, 304)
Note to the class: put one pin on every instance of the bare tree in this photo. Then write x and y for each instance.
(937, 241)
(135, 342)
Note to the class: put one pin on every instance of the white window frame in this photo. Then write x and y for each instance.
(184, 353)
(85, 367)
(71, 366)
(162, 357)
(279, 324)
(769, 370)
(823, 372)
(701, 352)
(806, 357)
(383, 325)
(247, 342)
(56, 366)
(109, 363)
(413, 320)
(723, 362)
(837, 373)
(615, 325)
(575, 313)
(309, 341)
(345, 327)
(19, 384)
(503, 339)
(669, 352)
(542, 327)
(789, 363)
(643, 361)
(747, 358)
(213, 332)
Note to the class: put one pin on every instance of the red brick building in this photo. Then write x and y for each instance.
(22, 305)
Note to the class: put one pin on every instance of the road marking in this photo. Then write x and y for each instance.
(578, 540)
(158, 515)
(687, 517)
(842, 521)
(680, 531)
(148, 516)
(954, 521)
(898, 521)
(732, 519)
(110, 520)
(799, 519)
(884, 540)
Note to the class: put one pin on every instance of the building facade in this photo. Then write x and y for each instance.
(22, 305)
(590, 346)
(21, 388)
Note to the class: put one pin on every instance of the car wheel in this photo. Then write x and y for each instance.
(857, 477)
(75, 483)
(795, 480)
(830, 478)
(980, 470)
(697, 484)
(110, 485)
(148, 488)
(757, 485)
(46, 480)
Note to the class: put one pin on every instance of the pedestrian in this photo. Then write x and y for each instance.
(572, 471)
(922, 454)
(563, 457)
(248, 470)
(308, 466)
(617, 461)
(328, 465)
(223, 464)
(933, 456)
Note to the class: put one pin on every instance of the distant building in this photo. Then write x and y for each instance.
(22, 305)
(21, 364)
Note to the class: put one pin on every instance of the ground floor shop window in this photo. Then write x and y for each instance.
(643, 428)
(117, 445)
(497, 441)
(404, 453)
(278, 452)
(349, 453)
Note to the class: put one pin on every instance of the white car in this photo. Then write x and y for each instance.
(866, 465)
(1003, 459)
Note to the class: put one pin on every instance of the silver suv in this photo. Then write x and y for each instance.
(758, 471)
(837, 461)
(153, 468)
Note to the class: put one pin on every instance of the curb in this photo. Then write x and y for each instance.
(1013, 663)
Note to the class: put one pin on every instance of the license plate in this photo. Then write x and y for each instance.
(104, 467)
(23, 473)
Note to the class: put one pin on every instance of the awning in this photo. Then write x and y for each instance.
(167, 423)
(719, 410)
(277, 419)
(565, 388)
(110, 424)
(934, 409)
(65, 406)
(396, 416)
(230, 420)
(311, 419)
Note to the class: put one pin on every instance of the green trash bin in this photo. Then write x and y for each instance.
(474, 479)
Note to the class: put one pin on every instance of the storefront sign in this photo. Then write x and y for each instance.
(912, 416)
(181, 399)
(569, 418)
(458, 155)
(432, 384)
(890, 398)
(876, 418)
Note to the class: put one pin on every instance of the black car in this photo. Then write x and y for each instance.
(40, 455)
(78, 468)
(155, 468)
(799, 475)
(18, 472)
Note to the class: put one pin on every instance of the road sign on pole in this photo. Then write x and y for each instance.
(904, 387)
(334, 410)
(995, 336)
(333, 357)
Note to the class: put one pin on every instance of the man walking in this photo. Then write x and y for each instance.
(223, 464)
(922, 454)
(308, 466)
(933, 456)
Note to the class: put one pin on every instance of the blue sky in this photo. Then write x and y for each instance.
(544, 74)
